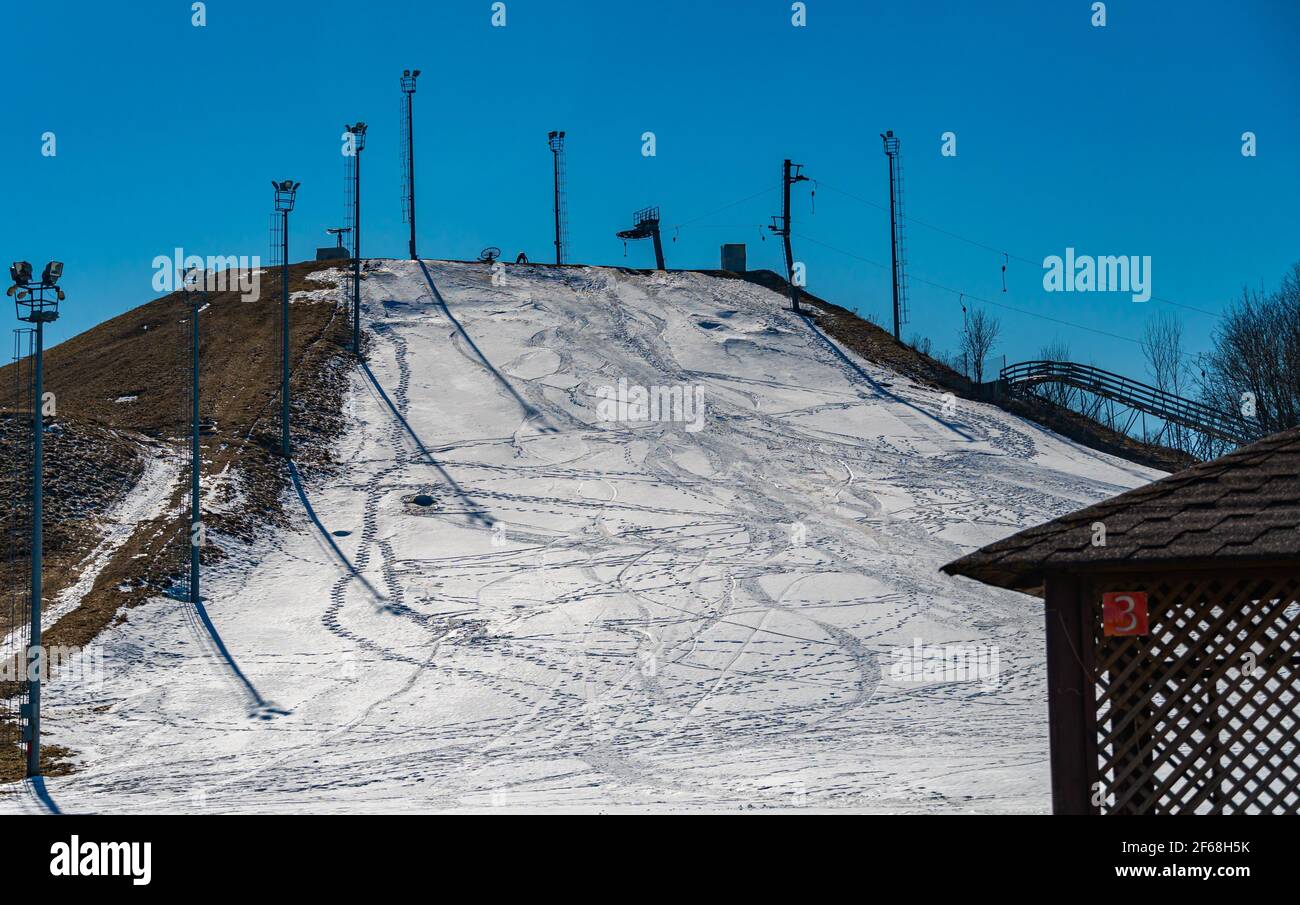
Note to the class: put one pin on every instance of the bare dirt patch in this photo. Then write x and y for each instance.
(121, 396)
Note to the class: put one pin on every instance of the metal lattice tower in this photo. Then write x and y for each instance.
(349, 192)
(404, 141)
(904, 293)
(408, 153)
(897, 233)
(556, 142)
(276, 256)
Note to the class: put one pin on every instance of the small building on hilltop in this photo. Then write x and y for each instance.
(1173, 638)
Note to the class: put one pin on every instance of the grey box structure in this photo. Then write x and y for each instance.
(332, 253)
(733, 258)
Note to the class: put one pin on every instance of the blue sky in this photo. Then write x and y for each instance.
(1116, 140)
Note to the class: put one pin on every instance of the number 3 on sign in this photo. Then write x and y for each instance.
(1124, 613)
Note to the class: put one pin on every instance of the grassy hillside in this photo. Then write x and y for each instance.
(120, 390)
(876, 344)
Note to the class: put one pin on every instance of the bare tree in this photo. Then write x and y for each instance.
(1253, 370)
(977, 338)
(1056, 393)
(1162, 344)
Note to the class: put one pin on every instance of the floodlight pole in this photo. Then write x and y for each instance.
(285, 193)
(891, 151)
(35, 658)
(284, 333)
(893, 242)
(40, 311)
(410, 150)
(196, 517)
(555, 140)
(358, 133)
(559, 238)
(408, 88)
(356, 254)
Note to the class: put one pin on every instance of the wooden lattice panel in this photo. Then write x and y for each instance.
(1182, 723)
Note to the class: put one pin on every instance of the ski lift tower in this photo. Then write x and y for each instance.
(37, 303)
(645, 225)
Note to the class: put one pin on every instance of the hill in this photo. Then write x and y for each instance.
(498, 584)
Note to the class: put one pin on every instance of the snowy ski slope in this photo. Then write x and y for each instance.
(594, 614)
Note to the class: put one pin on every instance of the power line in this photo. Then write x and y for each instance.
(962, 292)
(997, 251)
(931, 283)
(725, 207)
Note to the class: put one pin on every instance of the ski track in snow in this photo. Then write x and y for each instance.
(145, 501)
(597, 615)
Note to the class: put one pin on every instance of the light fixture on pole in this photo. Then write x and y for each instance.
(358, 133)
(285, 194)
(897, 220)
(198, 297)
(555, 139)
(36, 303)
(408, 90)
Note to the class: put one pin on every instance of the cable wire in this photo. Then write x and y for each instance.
(998, 251)
(962, 292)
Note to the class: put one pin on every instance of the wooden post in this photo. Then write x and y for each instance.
(1070, 694)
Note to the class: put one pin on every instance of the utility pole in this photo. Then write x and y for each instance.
(556, 142)
(408, 88)
(285, 193)
(358, 133)
(36, 307)
(197, 299)
(790, 174)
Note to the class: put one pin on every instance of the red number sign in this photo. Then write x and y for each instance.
(1124, 613)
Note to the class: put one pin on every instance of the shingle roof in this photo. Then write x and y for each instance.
(1241, 508)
